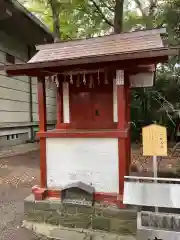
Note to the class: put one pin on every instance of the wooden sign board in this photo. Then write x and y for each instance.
(142, 80)
(120, 77)
(154, 140)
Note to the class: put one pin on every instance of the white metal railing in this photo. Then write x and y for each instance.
(152, 179)
(150, 191)
(155, 192)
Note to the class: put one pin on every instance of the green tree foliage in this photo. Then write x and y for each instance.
(56, 14)
(172, 19)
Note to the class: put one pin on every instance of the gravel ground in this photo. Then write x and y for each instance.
(17, 175)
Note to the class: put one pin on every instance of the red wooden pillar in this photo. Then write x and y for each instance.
(42, 128)
(59, 104)
(122, 126)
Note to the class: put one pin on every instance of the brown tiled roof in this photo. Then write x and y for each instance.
(155, 56)
(100, 46)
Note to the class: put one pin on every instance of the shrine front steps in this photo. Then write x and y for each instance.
(97, 219)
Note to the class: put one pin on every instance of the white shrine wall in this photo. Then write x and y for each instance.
(90, 160)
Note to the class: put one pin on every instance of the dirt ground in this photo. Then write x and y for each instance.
(19, 173)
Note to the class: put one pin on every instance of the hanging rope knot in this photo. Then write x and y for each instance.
(84, 79)
(71, 79)
(98, 78)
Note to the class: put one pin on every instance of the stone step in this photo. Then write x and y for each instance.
(50, 232)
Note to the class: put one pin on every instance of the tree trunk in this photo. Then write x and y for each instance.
(118, 16)
(55, 7)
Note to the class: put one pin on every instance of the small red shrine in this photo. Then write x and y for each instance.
(93, 77)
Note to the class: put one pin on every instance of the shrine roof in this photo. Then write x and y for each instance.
(80, 185)
(115, 48)
(100, 46)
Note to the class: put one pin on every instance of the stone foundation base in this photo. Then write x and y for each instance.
(98, 217)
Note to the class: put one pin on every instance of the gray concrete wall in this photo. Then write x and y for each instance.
(50, 101)
(13, 46)
(15, 91)
(13, 139)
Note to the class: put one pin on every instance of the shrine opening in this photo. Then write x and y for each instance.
(93, 78)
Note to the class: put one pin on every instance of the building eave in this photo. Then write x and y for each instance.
(152, 56)
(32, 17)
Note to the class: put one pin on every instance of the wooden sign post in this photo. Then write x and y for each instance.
(154, 138)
